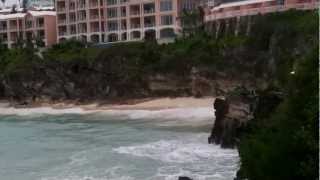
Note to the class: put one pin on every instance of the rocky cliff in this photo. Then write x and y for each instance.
(236, 114)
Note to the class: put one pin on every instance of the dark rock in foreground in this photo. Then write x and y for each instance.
(184, 178)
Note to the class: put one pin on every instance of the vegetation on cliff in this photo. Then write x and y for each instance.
(282, 142)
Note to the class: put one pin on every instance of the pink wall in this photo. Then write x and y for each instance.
(50, 30)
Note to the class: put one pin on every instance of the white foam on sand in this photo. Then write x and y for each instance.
(167, 117)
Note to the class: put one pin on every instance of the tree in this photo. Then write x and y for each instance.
(192, 21)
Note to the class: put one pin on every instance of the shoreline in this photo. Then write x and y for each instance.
(150, 104)
(182, 111)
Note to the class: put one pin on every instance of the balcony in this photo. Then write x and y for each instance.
(149, 21)
(82, 18)
(13, 27)
(135, 26)
(61, 9)
(123, 12)
(123, 25)
(135, 10)
(62, 21)
(72, 20)
(82, 30)
(72, 17)
(94, 4)
(3, 38)
(148, 8)
(73, 31)
(13, 37)
(94, 17)
(95, 29)
(111, 2)
(3, 28)
(148, 25)
(29, 25)
(82, 6)
(41, 34)
(40, 25)
(72, 6)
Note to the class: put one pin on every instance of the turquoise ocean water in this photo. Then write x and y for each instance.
(94, 147)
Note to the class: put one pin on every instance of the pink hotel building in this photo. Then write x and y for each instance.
(104, 21)
(30, 25)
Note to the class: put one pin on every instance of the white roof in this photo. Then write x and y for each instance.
(239, 3)
(44, 8)
(21, 15)
(8, 10)
(42, 13)
(12, 16)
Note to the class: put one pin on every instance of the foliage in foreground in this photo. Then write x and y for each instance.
(284, 145)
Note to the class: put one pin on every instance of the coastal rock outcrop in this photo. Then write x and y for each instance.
(236, 112)
(232, 113)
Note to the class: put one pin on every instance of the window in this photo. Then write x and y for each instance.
(28, 24)
(73, 29)
(40, 22)
(165, 5)
(148, 8)
(111, 2)
(123, 11)
(112, 25)
(72, 17)
(187, 5)
(82, 15)
(166, 20)
(3, 25)
(41, 34)
(112, 12)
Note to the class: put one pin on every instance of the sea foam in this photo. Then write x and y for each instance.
(41, 110)
(188, 156)
(164, 117)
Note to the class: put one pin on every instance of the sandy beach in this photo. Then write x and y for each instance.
(157, 104)
(186, 108)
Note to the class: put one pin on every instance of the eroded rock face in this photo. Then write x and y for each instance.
(235, 112)
(232, 113)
